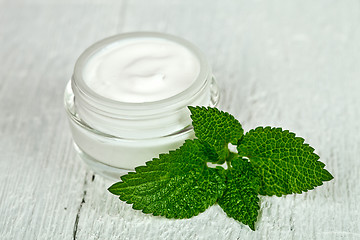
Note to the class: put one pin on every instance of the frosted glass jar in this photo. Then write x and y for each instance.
(113, 137)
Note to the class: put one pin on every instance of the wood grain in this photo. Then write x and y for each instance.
(293, 64)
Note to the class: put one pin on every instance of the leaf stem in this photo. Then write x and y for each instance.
(230, 157)
(228, 164)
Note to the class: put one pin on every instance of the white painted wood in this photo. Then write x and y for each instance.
(294, 64)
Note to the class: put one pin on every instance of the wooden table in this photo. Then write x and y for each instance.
(294, 64)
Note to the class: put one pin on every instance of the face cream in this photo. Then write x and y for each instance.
(141, 70)
(127, 100)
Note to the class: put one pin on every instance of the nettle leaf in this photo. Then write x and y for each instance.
(284, 162)
(240, 199)
(217, 128)
(270, 161)
(175, 185)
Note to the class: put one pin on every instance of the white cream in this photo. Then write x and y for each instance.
(141, 70)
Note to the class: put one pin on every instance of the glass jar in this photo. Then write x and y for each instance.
(114, 137)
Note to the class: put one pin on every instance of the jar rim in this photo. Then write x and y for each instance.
(86, 92)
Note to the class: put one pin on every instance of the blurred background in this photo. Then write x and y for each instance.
(294, 64)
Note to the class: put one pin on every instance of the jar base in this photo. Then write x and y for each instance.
(109, 172)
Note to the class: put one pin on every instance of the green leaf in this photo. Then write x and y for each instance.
(175, 185)
(217, 128)
(283, 162)
(240, 200)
